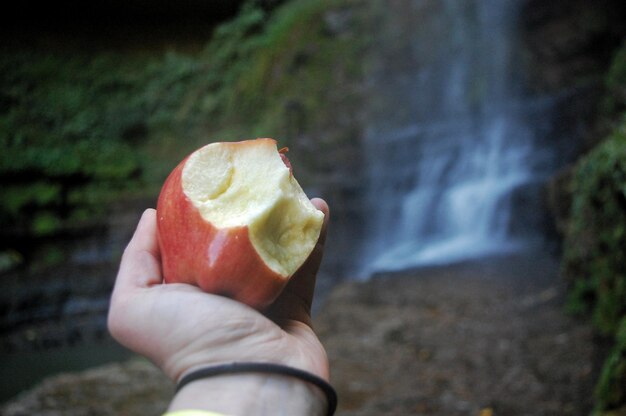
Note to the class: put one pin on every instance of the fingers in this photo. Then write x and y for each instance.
(295, 301)
(140, 265)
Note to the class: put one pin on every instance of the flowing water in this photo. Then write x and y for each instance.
(456, 168)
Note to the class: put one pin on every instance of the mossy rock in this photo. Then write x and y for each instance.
(81, 129)
(594, 256)
(594, 246)
(611, 387)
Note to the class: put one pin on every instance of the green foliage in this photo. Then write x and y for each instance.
(61, 127)
(264, 66)
(611, 387)
(73, 127)
(594, 247)
(78, 129)
(594, 256)
(615, 100)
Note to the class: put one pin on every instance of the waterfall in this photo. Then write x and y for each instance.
(456, 144)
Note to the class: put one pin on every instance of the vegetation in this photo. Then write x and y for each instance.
(597, 234)
(81, 129)
(594, 256)
(66, 142)
(615, 100)
(610, 390)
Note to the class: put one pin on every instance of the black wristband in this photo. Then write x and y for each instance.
(268, 368)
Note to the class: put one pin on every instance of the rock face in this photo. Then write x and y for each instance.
(568, 47)
(570, 42)
(67, 304)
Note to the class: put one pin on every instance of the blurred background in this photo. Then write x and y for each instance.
(439, 131)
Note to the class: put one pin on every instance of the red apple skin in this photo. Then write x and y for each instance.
(222, 262)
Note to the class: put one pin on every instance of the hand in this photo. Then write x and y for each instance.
(179, 327)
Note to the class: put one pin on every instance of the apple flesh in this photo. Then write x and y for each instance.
(233, 220)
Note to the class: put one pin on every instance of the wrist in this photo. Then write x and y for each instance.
(251, 394)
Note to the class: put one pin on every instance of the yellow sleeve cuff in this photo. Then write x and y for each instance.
(193, 413)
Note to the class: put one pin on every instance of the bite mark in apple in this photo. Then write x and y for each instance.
(232, 219)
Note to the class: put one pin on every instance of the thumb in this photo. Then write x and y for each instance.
(141, 263)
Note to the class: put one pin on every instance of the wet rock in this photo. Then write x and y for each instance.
(135, 387)
(457, 340)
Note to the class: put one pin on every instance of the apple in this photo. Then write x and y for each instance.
(233, 220)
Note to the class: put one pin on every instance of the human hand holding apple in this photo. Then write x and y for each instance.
(180, 327)
(233, 220)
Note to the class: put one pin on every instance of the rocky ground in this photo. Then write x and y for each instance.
(480, 338)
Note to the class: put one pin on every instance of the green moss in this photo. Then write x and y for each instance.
(284, 63)
(16, 198)
(611, 387)
(594, 255)
(45, 223)
(615, 100)
(80, 129)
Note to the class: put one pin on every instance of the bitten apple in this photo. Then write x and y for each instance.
(233, 220)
